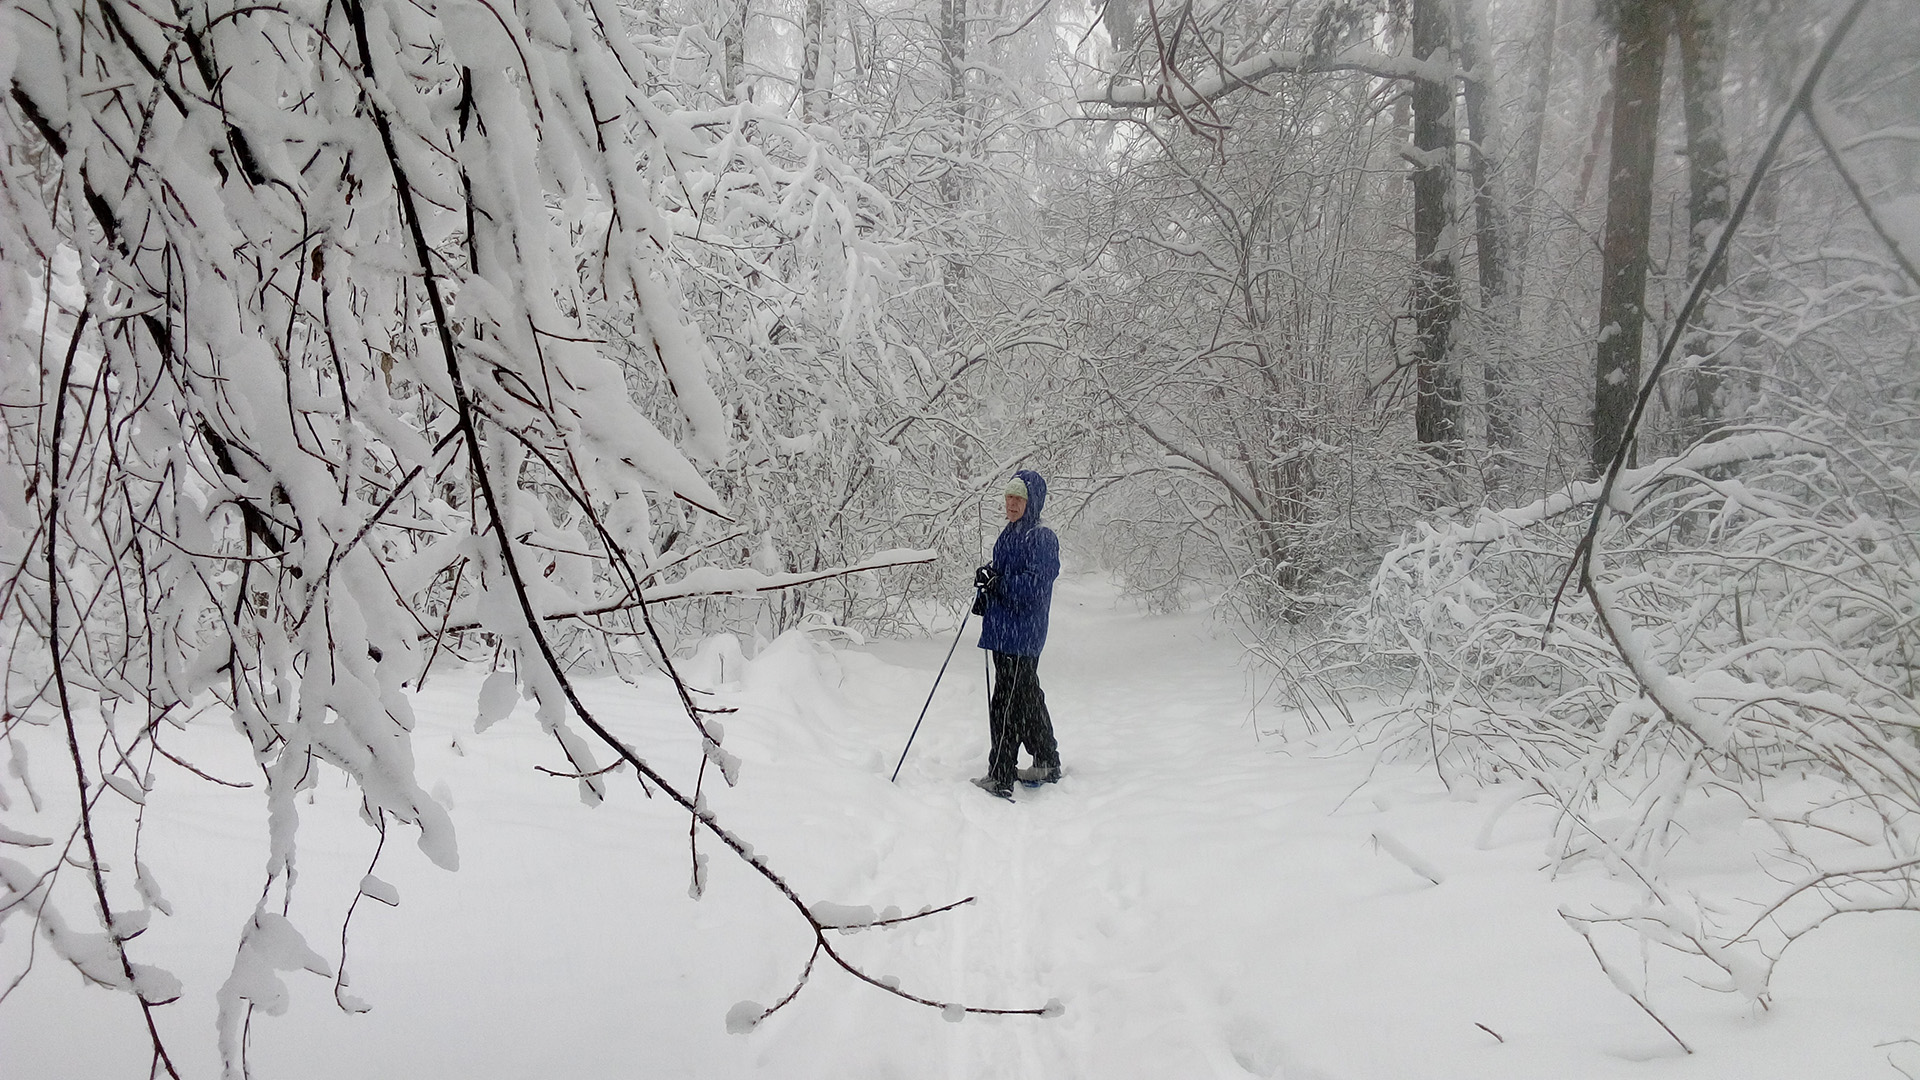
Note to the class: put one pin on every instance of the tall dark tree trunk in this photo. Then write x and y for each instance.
(1703, 61)
(1436, 290)
(1637, 67)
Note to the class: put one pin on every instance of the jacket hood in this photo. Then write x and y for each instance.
(1036, 498)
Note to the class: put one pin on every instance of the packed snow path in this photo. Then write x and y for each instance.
(1207, 899)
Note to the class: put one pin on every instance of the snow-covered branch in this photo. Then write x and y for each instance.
(1752, 619)
(709, 581)
(1250, 72)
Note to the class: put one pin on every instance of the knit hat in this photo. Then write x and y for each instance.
(1016, 487)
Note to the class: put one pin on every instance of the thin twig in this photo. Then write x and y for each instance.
(602, 771)
(340, 976)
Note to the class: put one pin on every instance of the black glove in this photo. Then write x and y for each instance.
(983, 580)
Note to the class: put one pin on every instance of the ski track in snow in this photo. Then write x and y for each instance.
(1206, 901)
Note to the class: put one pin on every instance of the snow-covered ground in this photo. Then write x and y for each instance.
(1206, 899)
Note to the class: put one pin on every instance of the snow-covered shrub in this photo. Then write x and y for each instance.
(1738, 623)
(1754, 620)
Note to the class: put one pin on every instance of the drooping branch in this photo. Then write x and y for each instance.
(57, 659)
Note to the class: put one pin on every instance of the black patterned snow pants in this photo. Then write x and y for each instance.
(1017, 716)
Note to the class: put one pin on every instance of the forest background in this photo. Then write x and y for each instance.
(1544, 369)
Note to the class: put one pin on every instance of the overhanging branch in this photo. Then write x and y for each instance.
(716, 581)
(1249, 72)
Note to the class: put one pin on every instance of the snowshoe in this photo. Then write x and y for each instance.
(994, 788)
(1035, 775)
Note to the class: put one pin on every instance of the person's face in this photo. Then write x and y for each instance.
(1016, 506)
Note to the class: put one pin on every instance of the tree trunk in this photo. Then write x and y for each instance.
(816, 39)
(1703, 58)
(1484, 148)
(953, 63)
(1601, 122)
(1489, 228)
(733, 39)
(1402, 110)
(1637, 66)
(954, 187)
(1436, 292)
(1533, 124)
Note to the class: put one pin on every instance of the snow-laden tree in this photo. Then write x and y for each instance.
(1232, 328)
(1188, 60)
(958, 113)
(871, 394)
(342, 336)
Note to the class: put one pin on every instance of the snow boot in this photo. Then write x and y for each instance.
(995, 788)
(1035, 775)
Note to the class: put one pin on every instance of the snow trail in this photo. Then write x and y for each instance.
(1205, 902)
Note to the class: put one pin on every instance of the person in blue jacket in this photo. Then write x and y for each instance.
(1015, 593)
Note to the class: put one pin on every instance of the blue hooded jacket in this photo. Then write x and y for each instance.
(1027, 557)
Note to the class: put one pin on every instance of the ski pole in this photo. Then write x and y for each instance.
(936, 685)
